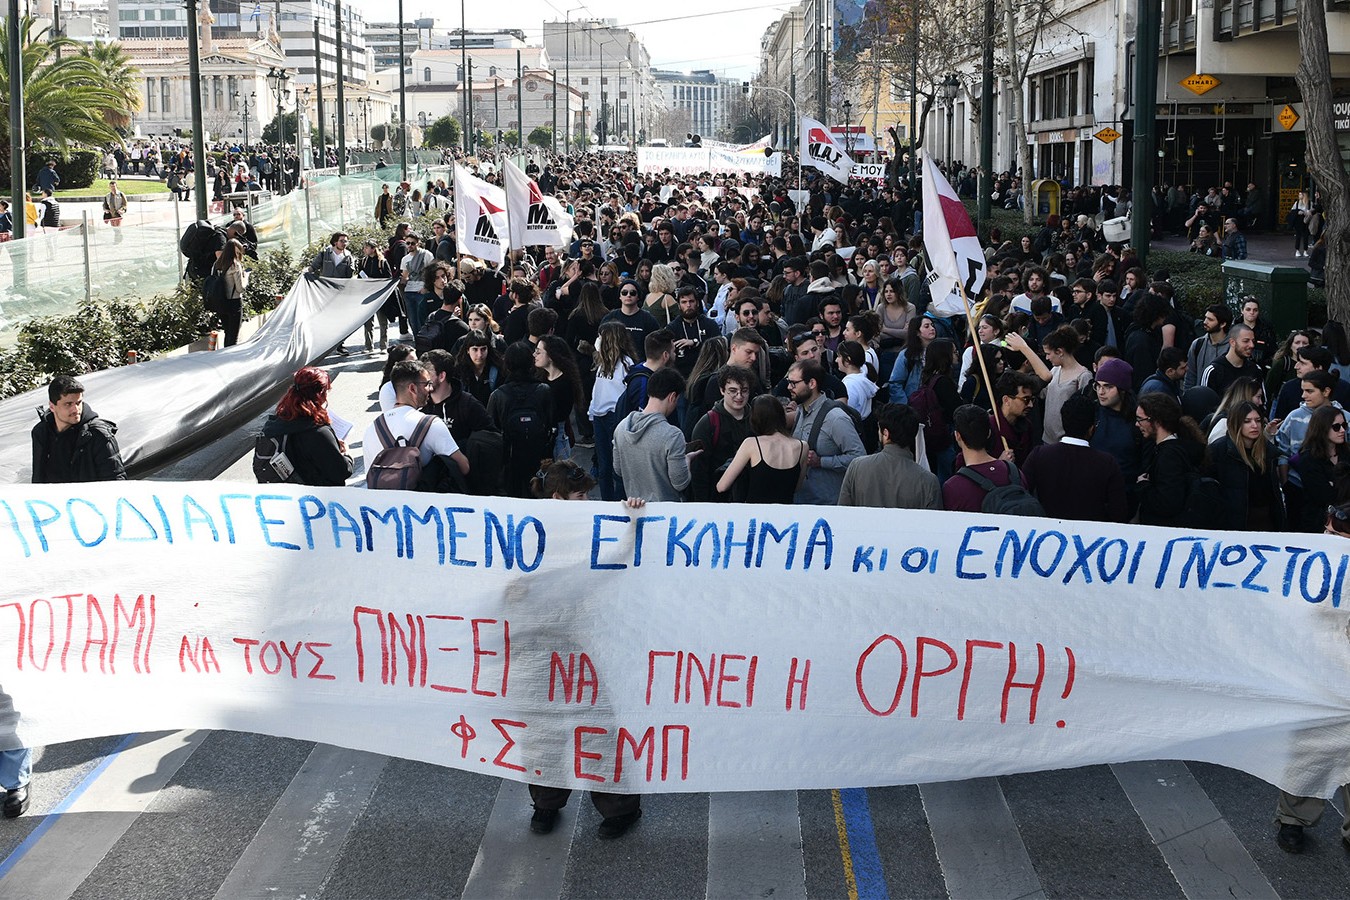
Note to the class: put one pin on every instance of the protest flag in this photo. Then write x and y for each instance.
(535, 220)
(480, 217)
(820, 149)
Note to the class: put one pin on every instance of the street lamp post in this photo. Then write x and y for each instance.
(792, 100)
(848, 128)
(251, 98)
(402, 98)
(951, 86)
(278, 79)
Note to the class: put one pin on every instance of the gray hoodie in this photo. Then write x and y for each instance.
(649, 457)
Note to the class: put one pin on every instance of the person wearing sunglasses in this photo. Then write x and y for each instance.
(631, 315)
(1316, 462)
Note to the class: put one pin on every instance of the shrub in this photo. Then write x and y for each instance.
(1198, 279)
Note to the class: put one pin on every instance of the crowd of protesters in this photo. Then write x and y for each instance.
(731, 339)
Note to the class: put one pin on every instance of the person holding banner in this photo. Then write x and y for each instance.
(565, 480)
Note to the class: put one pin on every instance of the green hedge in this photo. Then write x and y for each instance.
(77, 168)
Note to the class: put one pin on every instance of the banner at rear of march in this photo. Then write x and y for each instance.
(672, 648)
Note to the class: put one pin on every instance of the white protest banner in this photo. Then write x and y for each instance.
(819, 149)
(710, 192)
(535, 220)
(874, 171)
(480, 217)
(955, 256)
(681, 647)
(711, 157)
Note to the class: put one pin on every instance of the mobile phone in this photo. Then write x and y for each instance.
(692, 446)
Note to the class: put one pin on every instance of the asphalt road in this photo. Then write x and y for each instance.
(229, 815)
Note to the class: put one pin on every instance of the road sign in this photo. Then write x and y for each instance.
(1107, 135)
(1287, 117)
(1200, 84)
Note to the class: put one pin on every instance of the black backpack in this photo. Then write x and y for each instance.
(271, 465)
(527, 433)
(628, 400)
(439, 332)
(1010, 499)
(194, 238)
(213, 292)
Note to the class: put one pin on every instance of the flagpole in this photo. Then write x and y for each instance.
(979, 355)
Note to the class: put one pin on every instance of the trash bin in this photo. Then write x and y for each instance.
(1282, 291)
(1045, 196)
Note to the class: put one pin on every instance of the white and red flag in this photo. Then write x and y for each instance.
(955, 257)
(536, 220)
(480, 217)
(820, 150)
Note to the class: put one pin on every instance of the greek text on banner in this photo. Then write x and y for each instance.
(673, 648)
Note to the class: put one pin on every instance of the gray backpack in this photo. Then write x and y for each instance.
(1010, 499)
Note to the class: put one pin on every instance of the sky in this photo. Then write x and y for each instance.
(722, 35)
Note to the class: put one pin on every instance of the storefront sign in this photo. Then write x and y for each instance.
(1200, 84)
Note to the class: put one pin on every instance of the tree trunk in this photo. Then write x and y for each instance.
(1017, 81)
(1323, 154)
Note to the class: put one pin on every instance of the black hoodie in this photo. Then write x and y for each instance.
(312, 449)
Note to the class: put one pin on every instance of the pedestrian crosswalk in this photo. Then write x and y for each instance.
(226, 815)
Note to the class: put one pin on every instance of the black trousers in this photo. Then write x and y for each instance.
(608, 805)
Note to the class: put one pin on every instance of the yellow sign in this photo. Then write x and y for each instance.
(1200, 84)
(1107, 135)
(1287, 117)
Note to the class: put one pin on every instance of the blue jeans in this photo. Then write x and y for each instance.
(16, 768)
(611, 487)
(413, 300)
(562, 447)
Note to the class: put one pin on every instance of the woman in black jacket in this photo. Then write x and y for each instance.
(1174, 452)
(303, 431)
(1317, 460)
(1243, 461)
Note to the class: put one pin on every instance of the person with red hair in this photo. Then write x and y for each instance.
(318, 456)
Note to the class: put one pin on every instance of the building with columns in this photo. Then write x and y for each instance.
(235, 93)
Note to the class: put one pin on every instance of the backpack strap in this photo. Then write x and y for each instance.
(382, 432)
(420, 432)
(1014, 476)
(981, 482)
(826, 404)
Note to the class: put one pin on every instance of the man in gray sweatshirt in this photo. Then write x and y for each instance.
(648, 451)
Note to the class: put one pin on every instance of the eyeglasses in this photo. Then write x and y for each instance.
(1026, 400)
(738, 391)
(819, 334)
(1339, 426)
(627, 293)
(1140, 420)
(792, 383)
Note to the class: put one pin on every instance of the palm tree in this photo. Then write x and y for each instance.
(116, 71)
(64, 99)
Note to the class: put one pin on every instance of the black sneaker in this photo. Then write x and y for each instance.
(543, 820)
(1290, 838)
(16, 802)
(616, 826)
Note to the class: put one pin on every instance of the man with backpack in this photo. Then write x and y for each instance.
(443, 326)
(522, 410)
(984, 483)
(831, 435)
(401, 441)
(649, 452)
(721, 431)
(891, 479)
(659, 348)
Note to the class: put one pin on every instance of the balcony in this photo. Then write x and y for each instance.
(1235, 18)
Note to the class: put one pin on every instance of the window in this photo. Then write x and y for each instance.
(492, 71)
(585, 81)
(585, 95)
(164, 94)
(426, 73)
(151, 96)
(232, 85)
